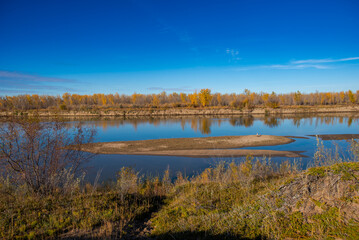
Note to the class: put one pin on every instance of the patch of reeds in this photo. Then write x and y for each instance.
(87, 211)
(241, 201)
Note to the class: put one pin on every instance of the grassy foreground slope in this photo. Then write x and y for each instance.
(254, 199)
(320, 203)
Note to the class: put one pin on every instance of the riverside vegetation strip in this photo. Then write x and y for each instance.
(196, 147)
(180, 111)
(246, 101)
(253, 199)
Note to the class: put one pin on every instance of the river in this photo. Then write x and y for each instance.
(119, 129)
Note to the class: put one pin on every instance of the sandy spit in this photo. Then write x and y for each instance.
(208, 153)
(337, 136)
(196, 147)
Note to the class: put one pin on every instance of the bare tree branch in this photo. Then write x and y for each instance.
(43, 154)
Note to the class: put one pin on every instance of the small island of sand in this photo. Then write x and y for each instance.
(224, 146)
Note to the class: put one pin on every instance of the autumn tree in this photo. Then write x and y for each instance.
(111, 99)
(351, 96)
(183, 98)
(273, 101)
(247, 99)
(134, 98)
(234, 100)
(297, 98)
(219, 99)
(205, 97)
(265, 97)
(155, 101)
(193, 99)
(163, 97)
(66, 99)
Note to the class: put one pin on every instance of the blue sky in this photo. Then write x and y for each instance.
(126, 46)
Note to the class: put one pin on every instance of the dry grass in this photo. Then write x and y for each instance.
(251, 199)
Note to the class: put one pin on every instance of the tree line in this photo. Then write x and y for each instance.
(203, 98)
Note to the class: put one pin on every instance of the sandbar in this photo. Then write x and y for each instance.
(337, 136)
(224, 146)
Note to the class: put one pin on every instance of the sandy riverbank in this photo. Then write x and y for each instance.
(196, 147)
(208, 153)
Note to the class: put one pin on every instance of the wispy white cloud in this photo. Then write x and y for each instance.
(179, 89)
(295, 66)
(326, 60)
(326, 63)
(21, 83)
(6, 75)
(284, 67)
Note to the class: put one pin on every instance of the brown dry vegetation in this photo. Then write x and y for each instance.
(249, 200)
(244, 101)
(253, 199)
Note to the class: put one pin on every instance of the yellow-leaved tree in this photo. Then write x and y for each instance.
(205, 97)
(351, 96)
(183, 97)
(155, 101)
(193, 99)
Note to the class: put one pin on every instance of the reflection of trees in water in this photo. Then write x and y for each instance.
(194, 124)
(336, 120)
(296, 122)
(350, 121)
(154, 121)
(183, 123)
(329, 121)
(272, 121)
(341, 120)
(246, 121)
(204, 124)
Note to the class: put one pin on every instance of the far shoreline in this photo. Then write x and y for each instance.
(183, 111)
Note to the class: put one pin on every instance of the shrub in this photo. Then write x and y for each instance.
(46, 156)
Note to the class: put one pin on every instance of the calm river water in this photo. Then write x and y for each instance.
(114, 129)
